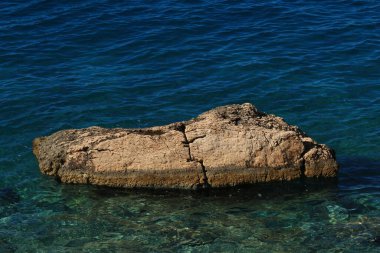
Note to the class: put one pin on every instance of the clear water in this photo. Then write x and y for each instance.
(73, 64)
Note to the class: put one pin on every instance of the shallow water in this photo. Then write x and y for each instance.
(143, 63)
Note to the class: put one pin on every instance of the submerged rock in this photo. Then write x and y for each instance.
(8, 196)
(226, 146)
(376, 239)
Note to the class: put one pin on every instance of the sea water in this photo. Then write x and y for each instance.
(74, 64)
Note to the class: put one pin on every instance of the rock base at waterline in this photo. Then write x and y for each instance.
(226, 146)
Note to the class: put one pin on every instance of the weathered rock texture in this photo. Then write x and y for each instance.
(226, 146)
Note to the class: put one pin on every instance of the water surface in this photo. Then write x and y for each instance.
(70, 64)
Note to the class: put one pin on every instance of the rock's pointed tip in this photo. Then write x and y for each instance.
(248, 105)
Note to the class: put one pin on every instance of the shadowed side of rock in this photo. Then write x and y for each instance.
(226, 146)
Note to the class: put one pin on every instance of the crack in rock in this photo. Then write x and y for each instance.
(205, 184)
(186, 143)
(196, 138)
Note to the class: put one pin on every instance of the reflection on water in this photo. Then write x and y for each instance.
(286, 218)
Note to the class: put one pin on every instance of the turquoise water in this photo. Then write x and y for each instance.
(73, 64)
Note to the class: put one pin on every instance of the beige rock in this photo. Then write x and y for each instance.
(226, 146)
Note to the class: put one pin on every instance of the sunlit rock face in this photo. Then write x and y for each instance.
(226, 146)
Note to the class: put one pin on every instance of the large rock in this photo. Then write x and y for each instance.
(226, 146)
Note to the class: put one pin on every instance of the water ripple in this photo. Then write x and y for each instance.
(68, 64)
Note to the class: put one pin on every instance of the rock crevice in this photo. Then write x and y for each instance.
(226, 146)
(203, 183)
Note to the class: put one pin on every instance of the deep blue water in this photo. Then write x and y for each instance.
(73, 64)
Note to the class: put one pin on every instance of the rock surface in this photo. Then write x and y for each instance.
(226, 146)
